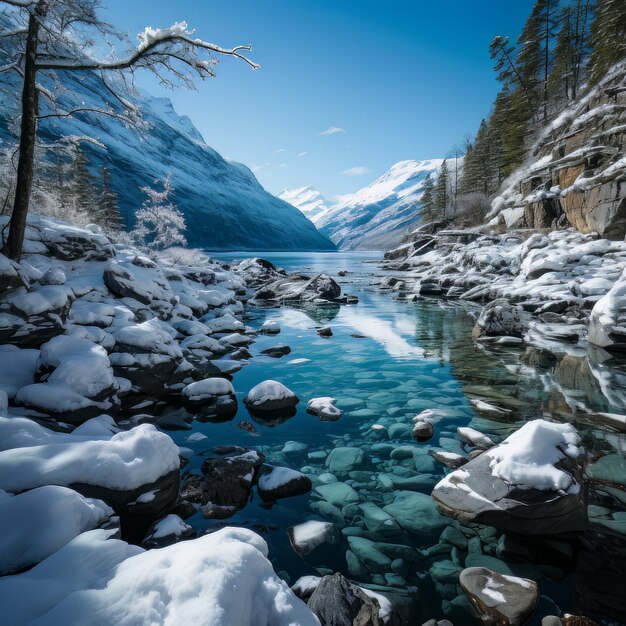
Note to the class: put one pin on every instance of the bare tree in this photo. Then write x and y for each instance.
(50, 36)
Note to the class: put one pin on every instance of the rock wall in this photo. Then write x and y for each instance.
(576, 172)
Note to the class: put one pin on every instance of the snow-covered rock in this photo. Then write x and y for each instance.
(223, 578)
(498, 598)
(500, 318)
(530, 483)
(607, 322)
(281, 482)
(135, 470)
(214, 397)
(270, 327)
(309, 535)
(166, 531)
(324, 408)
(300, 288)
(270, 395)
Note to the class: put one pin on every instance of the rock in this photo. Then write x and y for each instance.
(308, 536)
(300, 288)
(336, 602)
(500, 317)
(215, 397)
(338, 494)
(530, 483)
(500, 599)
(475, 437)
(270, 327)
(123, 284)
(246, 426)
(416, 513)
(325, 331)
(74, 381)
(277, 351)
(229, 479)
(270, 395)
(281, 482)
(607, 322)
(324, 408)
(10, 275)
(449, 459)
(344, 459)
(257, 271)
(423, 431)
(167, 531)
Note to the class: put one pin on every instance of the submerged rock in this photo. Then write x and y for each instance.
(213, 397)
(306, 537)
(281, 482)
(500, 600)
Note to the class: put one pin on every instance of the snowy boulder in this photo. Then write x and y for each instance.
(85, 313)
(422, 430)
(30, 318)
(167, 531)
(147, 355)
(53, 276)
(306, 537)
(530, 483)
(256, 271)
(498, 318)
(133, 471)
(221, 578)
(229, 479)
(10, 275)
(270, 327)
(215, 397)
(121, 282)
(17, 368)
(607, 322)
(324, 408)
(500, 599)
(226, 323)
(37, 523)
(337, 601)
(281, 482)
(75, 381)
(270, 395)
(300, 288)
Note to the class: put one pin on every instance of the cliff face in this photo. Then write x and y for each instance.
(576, 172)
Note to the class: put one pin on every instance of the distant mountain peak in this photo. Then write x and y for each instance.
(308, 199)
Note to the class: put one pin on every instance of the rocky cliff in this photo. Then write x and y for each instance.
(576, 172)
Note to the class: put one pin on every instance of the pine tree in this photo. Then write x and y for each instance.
(608, 37)
(441, 191)
(428, 200)
(108, 211)
(82, 181)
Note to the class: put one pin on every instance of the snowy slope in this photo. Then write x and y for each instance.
(308, 199)
(379, 215)
(224, 205)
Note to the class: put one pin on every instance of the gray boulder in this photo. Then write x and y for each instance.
(500, 318)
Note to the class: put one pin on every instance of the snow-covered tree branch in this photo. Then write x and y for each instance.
(51, 36)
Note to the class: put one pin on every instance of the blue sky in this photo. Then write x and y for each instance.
(404, 80)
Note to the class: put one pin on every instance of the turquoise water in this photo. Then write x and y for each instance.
(386, 361)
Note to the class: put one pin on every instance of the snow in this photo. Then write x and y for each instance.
(270, 327)
(474, 437)
(37, 523)
(126, 460)
(324, 407)
(17, 368)
(308, 200)
(307, 536)
(40, 300)
(150, 336)
(527, 458)
(207, 388)
(169, 525)
(220, 579)
(225, 323)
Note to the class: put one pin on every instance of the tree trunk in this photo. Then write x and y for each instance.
(28, 136)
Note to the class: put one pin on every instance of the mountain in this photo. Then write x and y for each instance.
(379, 215)
(309, 200)
(224, 205)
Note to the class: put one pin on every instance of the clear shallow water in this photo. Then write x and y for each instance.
(386, 361)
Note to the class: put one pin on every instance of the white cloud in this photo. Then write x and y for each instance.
(282, 165)
(279, 150)
(359, 170)
(301, 154)
(333, 130)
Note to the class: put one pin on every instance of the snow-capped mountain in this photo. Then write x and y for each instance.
(377, 216)
(224, 205)
(308, 199)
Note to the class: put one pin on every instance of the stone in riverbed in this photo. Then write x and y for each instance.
(336, 602)
(277, 351)
(325, 331)
(423, 431)
(281, 482)
(306, 537)
(499, 599)
(530, 483)
(344, 459)
(270, 395)
(270, 327)
(324, 407)
(416, 513)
